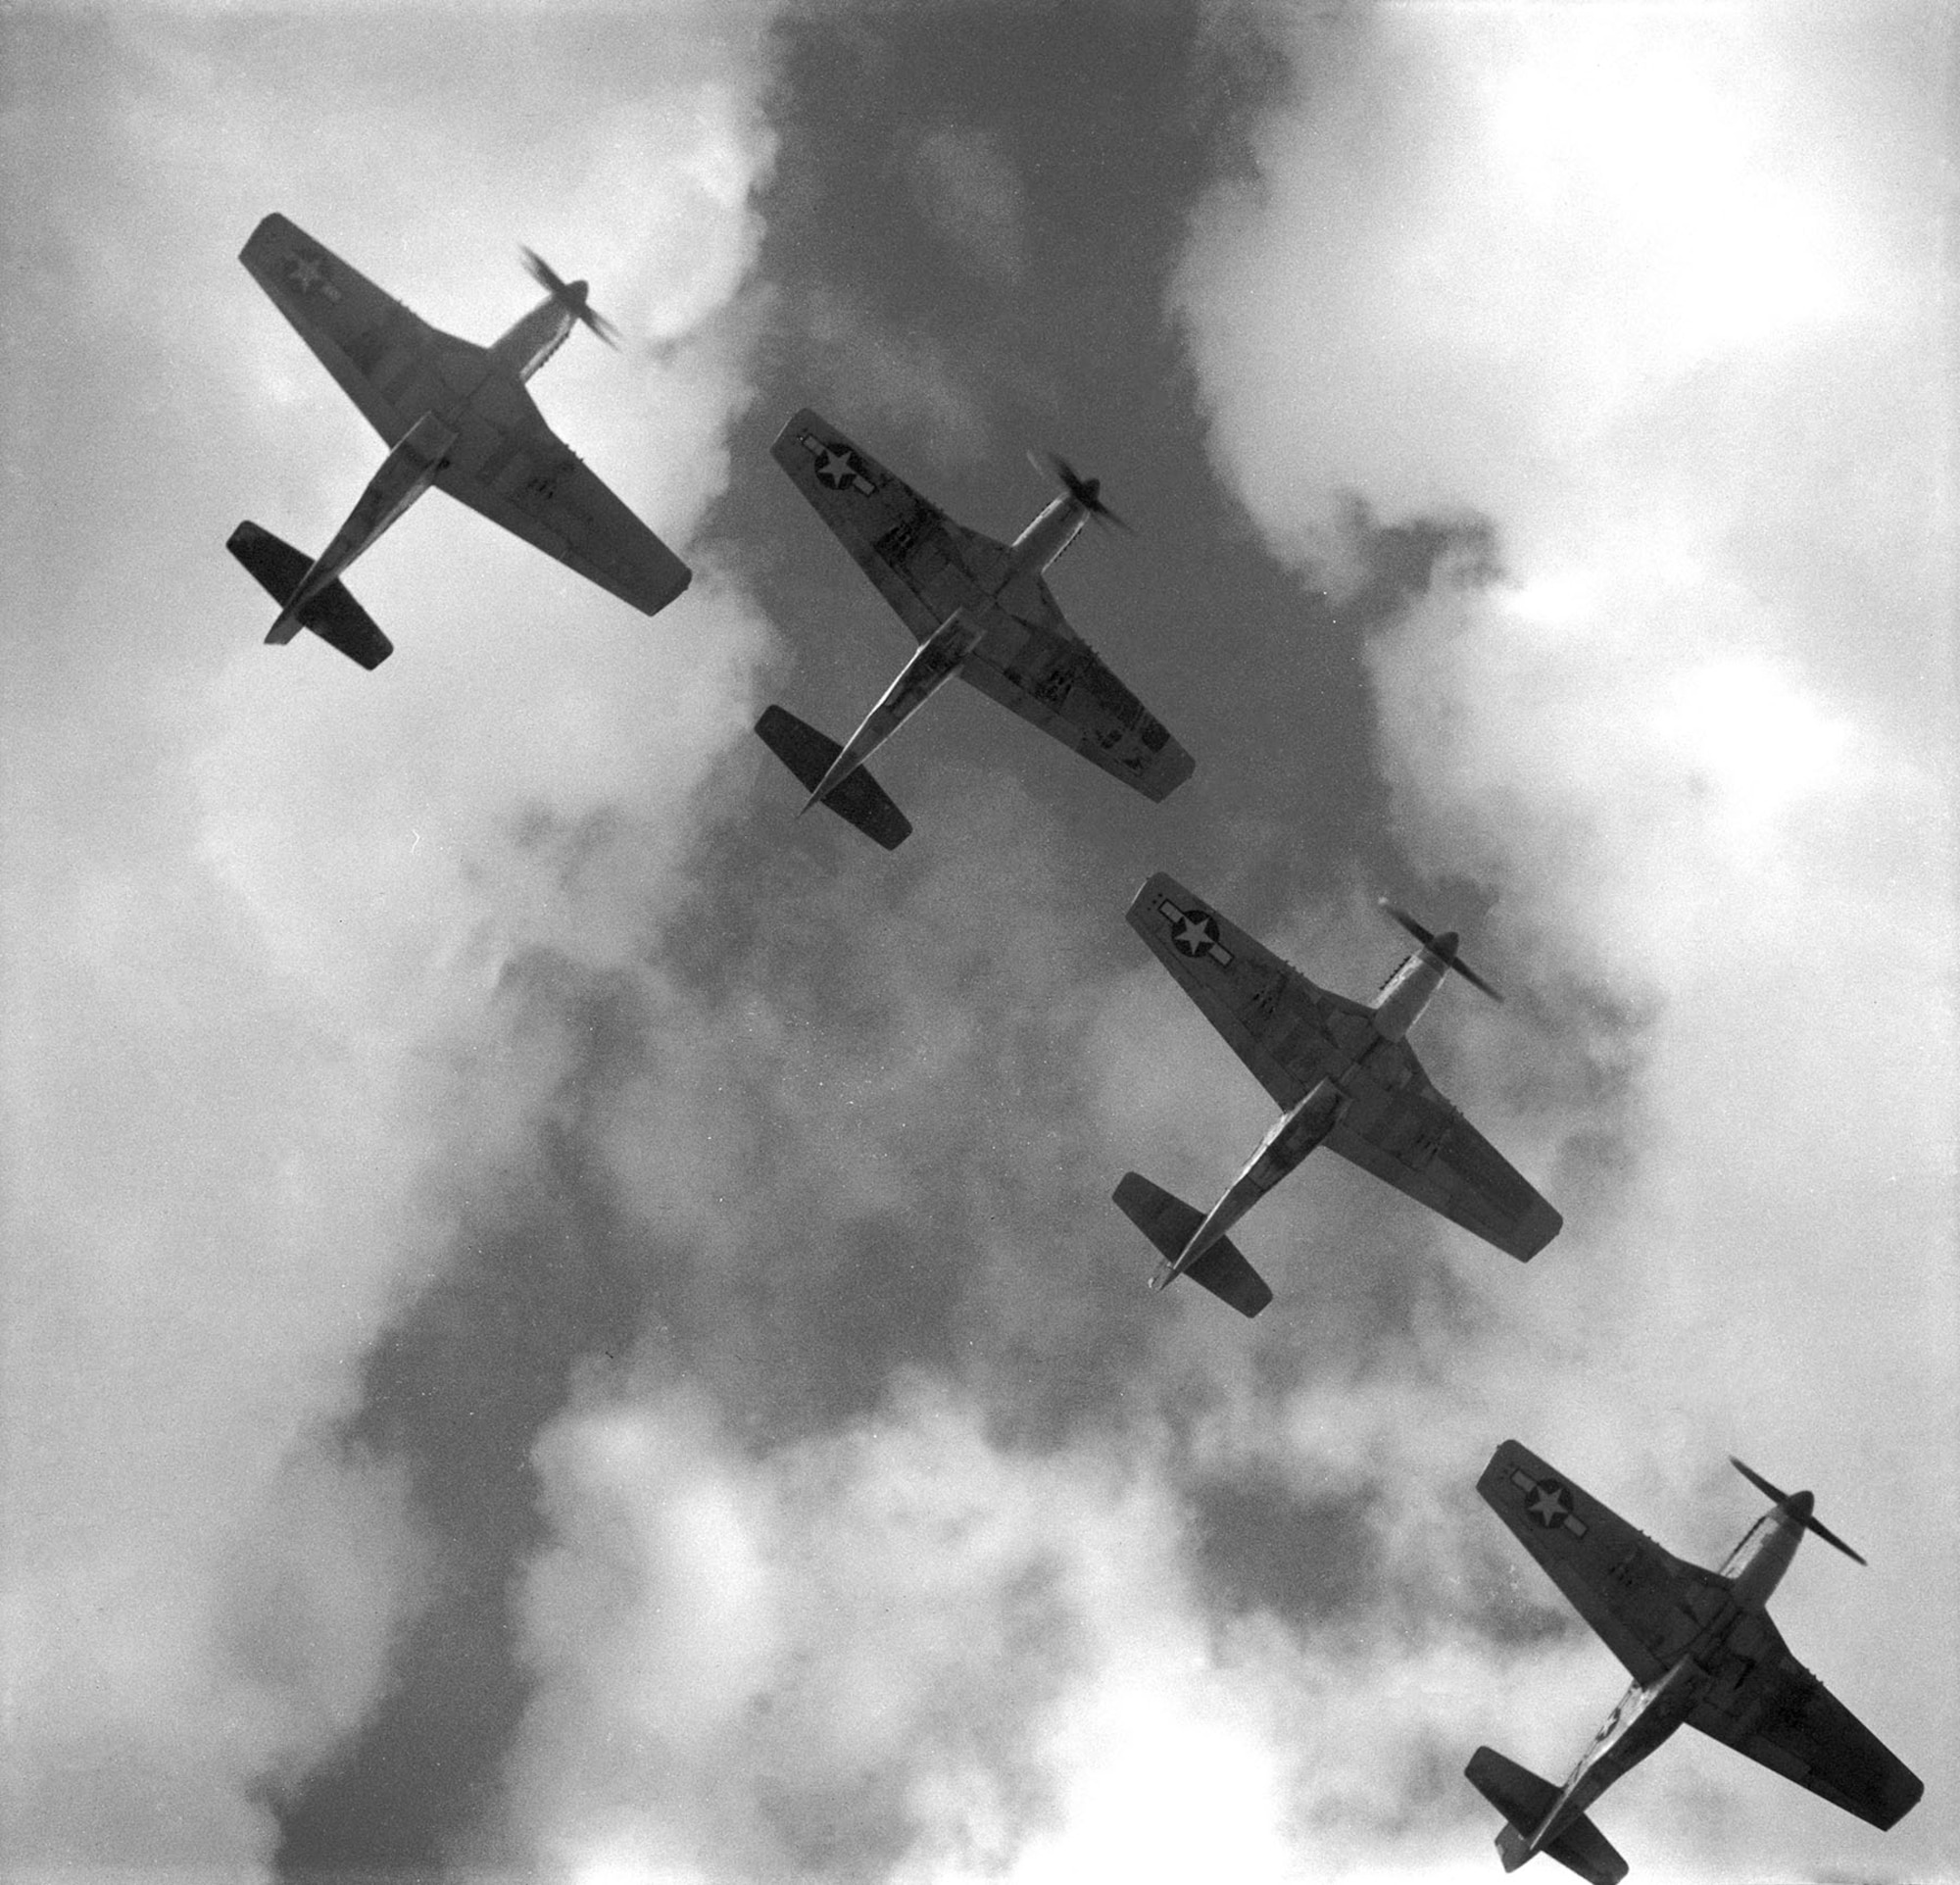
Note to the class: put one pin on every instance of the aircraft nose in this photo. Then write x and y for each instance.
(578, 291)
(1444, 945)
(1800, 1505)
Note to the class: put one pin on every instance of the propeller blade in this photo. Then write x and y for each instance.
(542, 272)
(1830, 1537)
(1443, 948)
(1396, 914)
(1758, 1481)
(1086, 491)
(1475, 981)
(571, 296)
(1769, 1491)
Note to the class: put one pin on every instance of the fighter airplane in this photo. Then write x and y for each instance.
(1700, 1648)
(1346, 1078)
(980, 609)
(453, 415)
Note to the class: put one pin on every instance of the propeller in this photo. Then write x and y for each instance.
(1443, 947)
(1086, 491)
(1764, 1487)
(571, 296)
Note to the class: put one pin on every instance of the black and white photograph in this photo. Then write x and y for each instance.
(979, 942)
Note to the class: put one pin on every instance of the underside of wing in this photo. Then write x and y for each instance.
(1792, 1725)
(907, 545)
(1270, 1014)
(370, 344)
(1056, 681)
(525, 477)
(1645, 1604)
(1415, 1140)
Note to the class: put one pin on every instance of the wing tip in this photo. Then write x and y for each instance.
(269, 228)
(1140, 906)
(674, 584)
(1539, 1227)
(1171, 768)
(1506, 1458)
(797, 422)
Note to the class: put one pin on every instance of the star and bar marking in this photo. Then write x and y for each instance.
(308, 274)
(1548, 1502)
(837, 466)
(1195, 932)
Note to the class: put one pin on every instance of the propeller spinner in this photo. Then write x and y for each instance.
(1769, 1491)
(1086, 491)
(571, 296)
(1443, 947)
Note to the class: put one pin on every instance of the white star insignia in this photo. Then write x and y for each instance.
(1549, 1507)
(1195, 932)
(837, 466)
(1193, 936)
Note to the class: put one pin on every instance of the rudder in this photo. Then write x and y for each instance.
(859, 800)
(1525, 1800)
(333, 615)
(1168, 1222)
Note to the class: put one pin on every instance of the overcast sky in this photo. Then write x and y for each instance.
(560, 1319)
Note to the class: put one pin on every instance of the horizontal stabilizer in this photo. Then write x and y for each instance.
(1525, 1800)
(1168, 1222)
(857, 799)
(333, 615)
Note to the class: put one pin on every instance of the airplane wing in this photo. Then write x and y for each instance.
(362, 337)
(905, 543)
(1414, 1139)
(1053, 679)
(1276, 1020)
(1792, 1725)
(1645, 1604)
(506, 462)
(923, 563)
(519, 474)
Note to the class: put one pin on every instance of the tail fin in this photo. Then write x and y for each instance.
(859, 800)
(1168, 1223)
(1525, 1800)
(333, 615)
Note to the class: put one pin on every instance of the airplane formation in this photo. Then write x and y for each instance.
(454, 415)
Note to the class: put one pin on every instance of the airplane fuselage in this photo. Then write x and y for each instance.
(1407, 993)
(1723, 1669)
(1376, 1068)
(528, 343)
(1047, 536)
(999, 573)
(1756, 1566)
(467, 405)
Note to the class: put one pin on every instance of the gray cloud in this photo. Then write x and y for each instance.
(1476, 276)
(973, 195)
(755, 1454)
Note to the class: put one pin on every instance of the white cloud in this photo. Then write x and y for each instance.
(1652, 292)
(259, 906)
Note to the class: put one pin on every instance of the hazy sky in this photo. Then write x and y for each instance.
(560, 1319)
